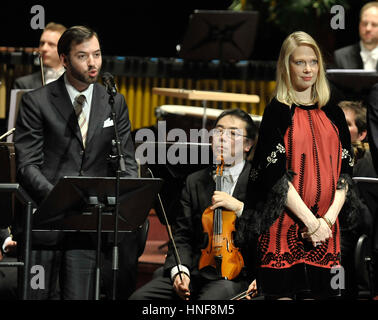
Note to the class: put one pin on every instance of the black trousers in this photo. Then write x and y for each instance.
(69, 261)
(66, 274)
(64, 270)
(161, 288)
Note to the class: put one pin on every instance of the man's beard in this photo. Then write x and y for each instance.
(81, 77)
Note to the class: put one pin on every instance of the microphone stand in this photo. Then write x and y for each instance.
(121, 169)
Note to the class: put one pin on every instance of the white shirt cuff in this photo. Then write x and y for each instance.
(6, 241)
(239, 213)
(175, 271)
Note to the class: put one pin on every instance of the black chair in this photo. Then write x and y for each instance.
(364, 268)
(142, 237)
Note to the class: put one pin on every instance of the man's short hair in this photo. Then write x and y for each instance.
(250, 127)
(360, 113)
(73, 36)
(368, 6)
(57, 27)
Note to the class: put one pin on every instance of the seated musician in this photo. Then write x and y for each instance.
(8, 276)
(234, 136)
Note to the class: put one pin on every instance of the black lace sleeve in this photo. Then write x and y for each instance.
(268, 180)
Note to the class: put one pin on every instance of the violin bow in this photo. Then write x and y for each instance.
(243, 295)
(175, 252)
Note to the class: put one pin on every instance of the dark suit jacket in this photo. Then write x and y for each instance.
(188, 230)
(48, 141)
(372, 122)
(349, 57)
(30, 81)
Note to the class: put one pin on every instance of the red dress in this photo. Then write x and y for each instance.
(290, 264)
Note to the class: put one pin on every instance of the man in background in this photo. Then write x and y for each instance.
(363, 54)
(53, 67)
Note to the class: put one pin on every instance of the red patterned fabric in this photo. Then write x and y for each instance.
(313, 152)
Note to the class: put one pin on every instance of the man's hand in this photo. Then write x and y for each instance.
(9, 246)
(252, 290)
(223, 199)
(182, 287)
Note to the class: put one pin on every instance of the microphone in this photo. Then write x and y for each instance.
(109, 83)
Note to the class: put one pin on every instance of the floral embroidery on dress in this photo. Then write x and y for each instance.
(273, 156)
(345, 155)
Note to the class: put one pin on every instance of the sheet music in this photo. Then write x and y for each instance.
(15, 99)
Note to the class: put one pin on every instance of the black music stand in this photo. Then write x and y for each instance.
(79, 203)
(5, 217)
(220, 34)
(355, 84)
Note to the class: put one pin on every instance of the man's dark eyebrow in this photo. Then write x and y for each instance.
(80, 52)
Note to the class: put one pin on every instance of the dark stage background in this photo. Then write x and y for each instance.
(153, 28)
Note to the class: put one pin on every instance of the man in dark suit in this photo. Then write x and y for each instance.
(234, 136)
(53, 67)
(64, 129)
(364, 54)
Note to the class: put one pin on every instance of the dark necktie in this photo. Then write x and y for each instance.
(83, 124)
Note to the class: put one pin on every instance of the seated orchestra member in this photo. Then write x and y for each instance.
(235, 134)
(363, 54)
(8, 280)
(355, 114)
(300, 180)
(52, 65)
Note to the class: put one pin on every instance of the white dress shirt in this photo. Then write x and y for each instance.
(369, 57)
(52, 74)
(73, 93)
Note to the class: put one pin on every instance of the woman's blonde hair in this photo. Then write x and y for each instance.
(284, 91)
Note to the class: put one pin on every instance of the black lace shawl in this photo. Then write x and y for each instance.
(269, 176)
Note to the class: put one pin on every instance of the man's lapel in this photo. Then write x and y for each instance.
(241, 186)
(61, 101)
(99, 108)
(206, 188)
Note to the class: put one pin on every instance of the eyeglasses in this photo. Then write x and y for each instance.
(229, 133)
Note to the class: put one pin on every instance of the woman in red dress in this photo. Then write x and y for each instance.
(300, 180)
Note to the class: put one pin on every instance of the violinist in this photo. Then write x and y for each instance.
(233, 138)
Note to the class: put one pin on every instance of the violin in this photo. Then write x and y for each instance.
(220, 252)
